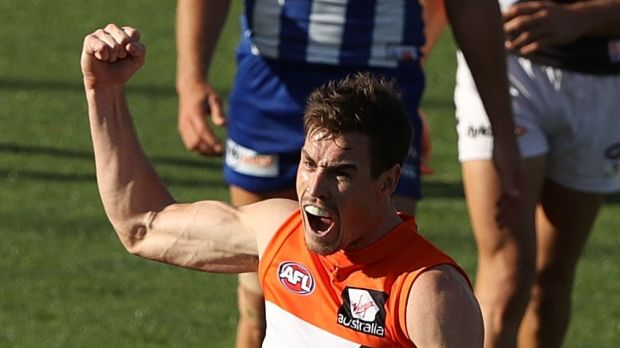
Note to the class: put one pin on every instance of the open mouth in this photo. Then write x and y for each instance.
(319, 219)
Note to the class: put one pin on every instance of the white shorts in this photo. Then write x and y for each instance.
(571, 118)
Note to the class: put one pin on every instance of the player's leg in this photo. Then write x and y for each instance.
(425, 151)
(408, 191)
(250, 302)
(410, 82)
(564, 221)
(583, 164)
(251, 305)
(506, 256)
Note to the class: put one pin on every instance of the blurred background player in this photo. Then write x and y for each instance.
(289, 48)
(564, 65)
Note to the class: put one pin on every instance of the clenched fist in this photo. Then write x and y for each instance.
(111, 55)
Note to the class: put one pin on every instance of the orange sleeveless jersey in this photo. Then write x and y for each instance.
(353, 299)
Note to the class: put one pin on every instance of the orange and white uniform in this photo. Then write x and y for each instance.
(347, 299)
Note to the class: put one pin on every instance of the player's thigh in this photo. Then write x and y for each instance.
(564, 222)
(482, 186)
(250, 301)
(583, 166)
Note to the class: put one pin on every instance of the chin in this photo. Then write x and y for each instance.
(323, 250)
(325, 244)
(321, 247)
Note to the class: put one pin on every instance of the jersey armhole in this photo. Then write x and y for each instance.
(406, 289)
(274, 245)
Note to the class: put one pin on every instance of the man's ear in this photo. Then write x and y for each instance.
(389, 179)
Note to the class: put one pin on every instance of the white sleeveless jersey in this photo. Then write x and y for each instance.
(373, 33)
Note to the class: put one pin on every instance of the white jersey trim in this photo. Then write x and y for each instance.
(287, 330)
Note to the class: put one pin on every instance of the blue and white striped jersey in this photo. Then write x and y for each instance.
(372, 33)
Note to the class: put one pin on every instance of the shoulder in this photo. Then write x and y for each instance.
(442, 310)
(266, 217)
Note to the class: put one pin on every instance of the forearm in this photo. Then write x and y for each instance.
(198, 26)
(598, 17)
(128, 185)
(477, 27)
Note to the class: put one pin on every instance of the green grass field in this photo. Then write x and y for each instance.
(65, 280)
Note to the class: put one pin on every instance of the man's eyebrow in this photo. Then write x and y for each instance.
(344, 166)
(306, 155)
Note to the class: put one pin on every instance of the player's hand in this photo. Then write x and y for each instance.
(196, 103)
(110, 56)
(533, 25)
(510, 170)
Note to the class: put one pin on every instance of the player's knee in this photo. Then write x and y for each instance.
(553, 282)
(512, 267)
(517, 280)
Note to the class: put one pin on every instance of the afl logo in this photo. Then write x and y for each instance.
(296, 278)
(613, 152)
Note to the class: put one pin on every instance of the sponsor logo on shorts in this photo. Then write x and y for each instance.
(519, 131)
(247, 161)
(404, 53)
(363, 310)
(479, 131)
(613, 152)
(296, 278)
(486, 131)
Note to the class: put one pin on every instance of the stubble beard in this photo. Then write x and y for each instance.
(321, 248)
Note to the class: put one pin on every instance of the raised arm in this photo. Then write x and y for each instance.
(198, 27)
(477, 27)
(442, 311)
(209, 235)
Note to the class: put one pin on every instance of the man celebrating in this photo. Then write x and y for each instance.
(339, 268)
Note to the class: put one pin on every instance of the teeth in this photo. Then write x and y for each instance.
(314, 210)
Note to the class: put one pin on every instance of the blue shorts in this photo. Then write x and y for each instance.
(265, 120)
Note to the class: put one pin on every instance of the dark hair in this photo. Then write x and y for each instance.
(364, 104)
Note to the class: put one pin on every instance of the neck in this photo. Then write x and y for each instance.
(385, 221)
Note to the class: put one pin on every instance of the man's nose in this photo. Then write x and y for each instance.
(317, 185)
